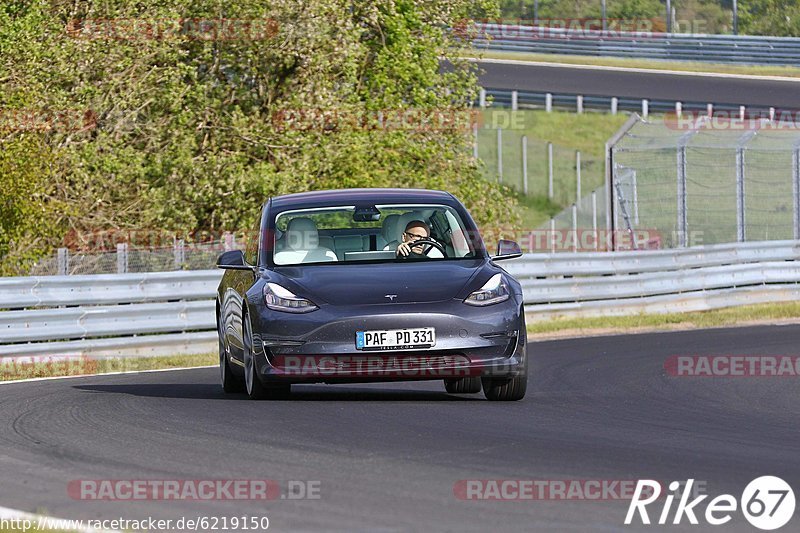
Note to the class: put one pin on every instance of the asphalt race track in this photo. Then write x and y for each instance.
(655, 86)
(387, 456)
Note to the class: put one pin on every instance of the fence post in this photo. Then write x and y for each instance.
(740, 230)
(574, 227)
(514, 96)
(482, 98)
(645, 108)
(122, 258)
(578, 176)
(63, 261)
(614, 105)
(227, 241)
(594, 219)
(525, 164)
(179, 253)
(580, 104)
(548, 102)
(550, 170)
(500, 155)
(475, 140)
(796, 189)
(681, 196)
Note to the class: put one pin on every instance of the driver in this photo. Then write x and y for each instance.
(416, 230)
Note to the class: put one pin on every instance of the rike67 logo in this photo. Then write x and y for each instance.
(767, 503)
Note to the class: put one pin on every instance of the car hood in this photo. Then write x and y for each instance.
(366, 284)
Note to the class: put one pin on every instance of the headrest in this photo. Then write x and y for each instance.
(301, 234)
(390, 230)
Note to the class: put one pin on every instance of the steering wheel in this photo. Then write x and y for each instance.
(429, 242)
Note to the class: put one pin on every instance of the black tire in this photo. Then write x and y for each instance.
(506, 390)
(463, 385)
(230, 382)
(255, 388)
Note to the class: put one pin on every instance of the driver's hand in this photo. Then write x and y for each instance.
(404, 249)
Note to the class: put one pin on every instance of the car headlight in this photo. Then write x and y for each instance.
(493, 291)
(282, 299)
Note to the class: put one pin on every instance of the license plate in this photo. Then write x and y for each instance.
(395, 339)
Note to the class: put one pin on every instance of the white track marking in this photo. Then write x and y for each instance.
(635, 70)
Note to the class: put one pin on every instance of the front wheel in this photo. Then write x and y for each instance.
(506, 390)
(230, 382)
(255, 388)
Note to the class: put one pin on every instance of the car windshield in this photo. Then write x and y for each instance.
(372, 234)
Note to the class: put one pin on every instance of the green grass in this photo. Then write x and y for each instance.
(683, 66)
(703, 319)
(568, 132)
(86, 366)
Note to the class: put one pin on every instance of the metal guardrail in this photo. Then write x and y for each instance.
(173, 312)
(589, 102)
(677, 47)
(161, 313)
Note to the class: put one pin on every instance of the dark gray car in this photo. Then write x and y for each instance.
(324, 295)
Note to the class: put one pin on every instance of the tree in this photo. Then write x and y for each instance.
(187, 131)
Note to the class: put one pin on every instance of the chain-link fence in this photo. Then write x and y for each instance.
(704, 180)
(127, 259)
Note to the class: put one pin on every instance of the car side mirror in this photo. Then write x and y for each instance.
(233, 260)
(507, 250)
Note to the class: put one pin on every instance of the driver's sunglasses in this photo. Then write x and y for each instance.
(414, 236)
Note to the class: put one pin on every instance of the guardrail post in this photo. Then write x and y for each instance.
(550, 170)
(482, 98)
(614, 105)
(594, 219)
(500, 155)
(580, 104)
(525, 164)
(771, 114)
(742, 110)
(548, 102)
(179, 253)
(578, 176)
(122, 258)
(514, 97)
(645, 108)
(710, 110)
(678, 109)
(552, 234)
(63, 261)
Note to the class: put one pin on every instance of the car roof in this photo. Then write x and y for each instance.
(361, 196)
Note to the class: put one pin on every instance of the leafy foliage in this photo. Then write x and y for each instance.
(186, 133)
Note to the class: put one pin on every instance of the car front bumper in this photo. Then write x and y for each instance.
(320, 346)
